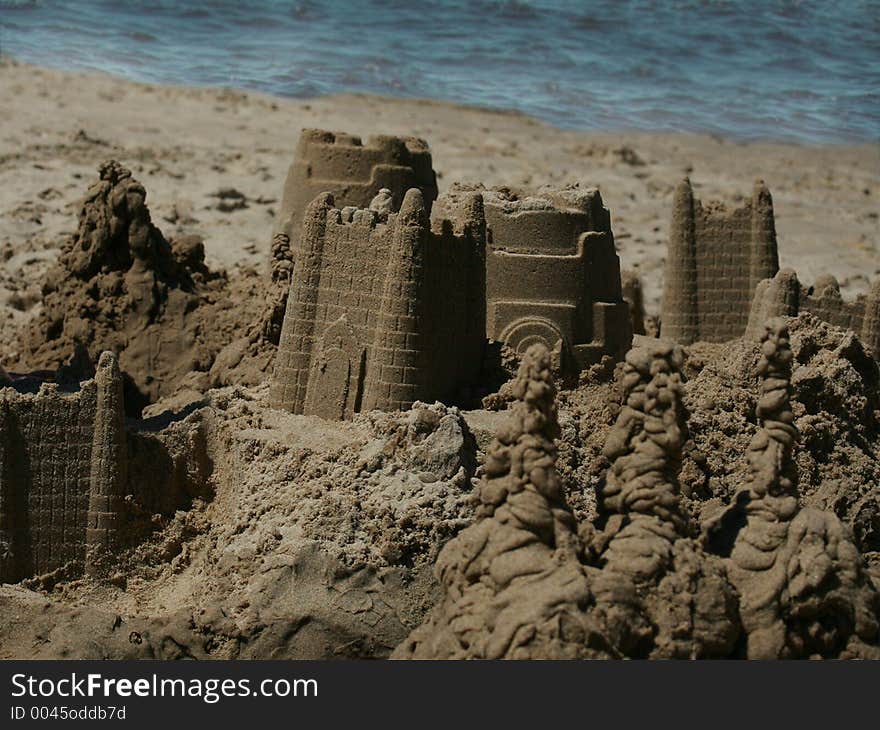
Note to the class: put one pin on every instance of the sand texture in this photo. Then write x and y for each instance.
(215, 161)
(240, 384)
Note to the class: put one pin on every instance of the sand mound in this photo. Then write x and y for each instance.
(801, 585)
(513, 585)
(658, 594)
(835, 405)
(309, 539)
(765, 579)
(296, 537)
(119, 285)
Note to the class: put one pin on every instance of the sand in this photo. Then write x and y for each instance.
(301, 538)
(190, 147)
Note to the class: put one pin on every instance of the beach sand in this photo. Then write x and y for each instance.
(187, 144)
(306, 538)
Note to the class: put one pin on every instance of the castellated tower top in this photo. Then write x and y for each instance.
(785, 296)
(353, 173)
(552, 273)
(384, 308)
(715, 259)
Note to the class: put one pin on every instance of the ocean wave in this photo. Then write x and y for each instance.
(688, 65)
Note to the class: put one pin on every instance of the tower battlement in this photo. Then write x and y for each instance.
(353, 173)
(63, 473)
(715, 258)
(785, 296)
(552, 273)
(384, 308)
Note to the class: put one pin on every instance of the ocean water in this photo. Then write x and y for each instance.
(804, 71)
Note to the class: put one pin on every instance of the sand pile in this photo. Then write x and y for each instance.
(836, 406)
(312, 539)
(834, 402)
(658, 594)
(801, 585)
(297, 537)
(119, 285)
(766, 578)
(526, 582)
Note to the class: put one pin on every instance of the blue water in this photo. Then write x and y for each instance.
(754, 69)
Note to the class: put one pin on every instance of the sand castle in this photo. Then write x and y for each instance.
(384, 309)
(715, 259)
(63, 474)
(389, 301)
(513, 585)
(785, 296)
(352, 172)
(800, 579)
(552, 274)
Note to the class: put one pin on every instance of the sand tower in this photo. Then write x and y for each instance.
(552, 273)
(384, 309)
(785, 296)
(871, 321)
(353, 173)
(714, 261)
(63, 475)
(109, 462)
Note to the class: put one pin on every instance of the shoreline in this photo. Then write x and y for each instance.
(186, 144)
(8, 59)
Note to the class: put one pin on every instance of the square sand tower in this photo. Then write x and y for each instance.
(63, 474)
(353, 173)
(785, 296)
(714, 261)
(384, 308)
(552, 273)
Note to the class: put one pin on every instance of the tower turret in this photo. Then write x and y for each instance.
(474, 218)
(397, 349)
(109, 468)
(681, 322)
(290, 377)
(763, 257)
(776, 297)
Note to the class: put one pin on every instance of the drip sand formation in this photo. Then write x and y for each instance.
(384, 295)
